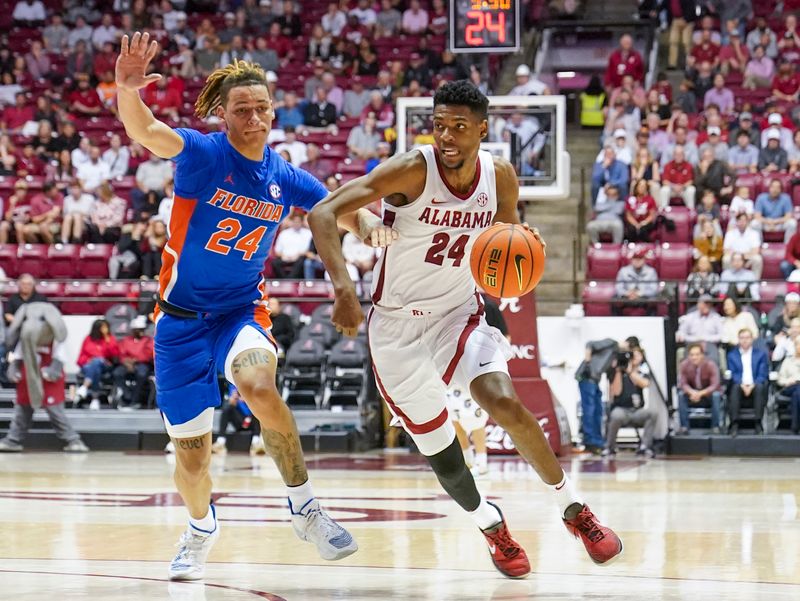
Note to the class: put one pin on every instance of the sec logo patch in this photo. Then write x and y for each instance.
(482, 199)
(275, 191)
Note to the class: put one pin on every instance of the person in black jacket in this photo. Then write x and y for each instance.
(283, 328)
(26, 285)
(320, 113)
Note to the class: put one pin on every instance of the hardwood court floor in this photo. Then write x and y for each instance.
(103, 527)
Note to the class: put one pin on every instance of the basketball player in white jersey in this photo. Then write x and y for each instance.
(426, 328)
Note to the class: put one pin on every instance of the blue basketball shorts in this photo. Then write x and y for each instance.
(189, 353)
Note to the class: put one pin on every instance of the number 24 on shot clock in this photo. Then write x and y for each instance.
(484, 25)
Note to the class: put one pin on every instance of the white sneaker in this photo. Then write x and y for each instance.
(219, 447)
(82, 392)
(479, 471)
(170, 448)
(257, 447)
(94, 405)
(76, 446)
(193, 548)
(315, 526)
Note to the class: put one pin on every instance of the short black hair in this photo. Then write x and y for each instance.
(463, 93)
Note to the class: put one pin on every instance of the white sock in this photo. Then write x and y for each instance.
(481, 460)
(206, 525)
(221, 439)
(486, 515)
(299, 496)
(256, 439)
(566, 494)
(469, 456)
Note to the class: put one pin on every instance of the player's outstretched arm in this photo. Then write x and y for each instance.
(508, 197)
(131, 76)
(403, 175)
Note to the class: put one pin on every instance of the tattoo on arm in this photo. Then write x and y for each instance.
(191, 443)
(287, 454)
(251, 359)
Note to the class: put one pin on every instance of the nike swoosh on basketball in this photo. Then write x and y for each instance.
(518, 259)
(485, 364)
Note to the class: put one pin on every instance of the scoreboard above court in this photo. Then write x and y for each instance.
(484, 25)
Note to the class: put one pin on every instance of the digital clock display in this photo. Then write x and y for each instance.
(484, 25)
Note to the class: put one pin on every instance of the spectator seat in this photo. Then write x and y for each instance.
(683, 218)
(62, 260)
(84, 294)
(282, 288)
(773, 254)
(8, 259)
(32, 259)
(603, 261)
(597, 298)
(94, 260)
(675, 261)
(769, 292)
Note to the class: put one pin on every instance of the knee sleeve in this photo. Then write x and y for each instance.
(455, 478)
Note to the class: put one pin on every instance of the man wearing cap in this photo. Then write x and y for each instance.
(745, 240)
(773, 211)
(637, 283)
(625, 60)
(136, 364)
(609, 172)
(699, 386)
(621, 149)
(743, 156)
(775, 124)
(747, 126)
(715, 143)
(704, 325)
(527, 85)
(677, 180)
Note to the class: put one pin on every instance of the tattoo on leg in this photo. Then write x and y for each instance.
(191, 443)
(287, 454)
(251, 359)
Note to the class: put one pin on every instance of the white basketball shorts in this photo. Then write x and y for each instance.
(415, 359)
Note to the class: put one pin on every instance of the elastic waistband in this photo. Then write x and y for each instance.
(175, 311)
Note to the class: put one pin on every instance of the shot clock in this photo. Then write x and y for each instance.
(484, 25)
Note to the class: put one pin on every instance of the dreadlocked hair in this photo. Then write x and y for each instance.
(222, 80)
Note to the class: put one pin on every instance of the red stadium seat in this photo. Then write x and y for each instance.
(62, 260)
(113, 289)
(597, 298)
(80, 290)
(94, 260)
(751, 180)
(32, 259)
(683, 218)
(785, 179)
(8, 259)
(282, 288)
(603, 261)
(675, 261)
(769, 291)
(315, 289)
(773, 254)
(50, 289)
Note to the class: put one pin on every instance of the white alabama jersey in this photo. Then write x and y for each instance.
(427, 270)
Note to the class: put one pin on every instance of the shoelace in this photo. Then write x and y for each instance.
(587, 525)
(189, 544)
(502, 539)
(328, 526)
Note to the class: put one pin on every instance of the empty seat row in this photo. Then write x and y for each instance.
(56, 260)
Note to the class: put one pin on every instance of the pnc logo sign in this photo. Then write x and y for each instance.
(526, 352)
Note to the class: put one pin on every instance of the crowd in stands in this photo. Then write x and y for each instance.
(711, 169)
(71, 176)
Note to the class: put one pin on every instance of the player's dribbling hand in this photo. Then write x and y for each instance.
(536, 234)
(134, 57)
(347, 314)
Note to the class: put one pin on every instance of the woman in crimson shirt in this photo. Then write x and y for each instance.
(640, 213)
(98, 354)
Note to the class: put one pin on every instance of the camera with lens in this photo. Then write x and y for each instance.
(623, 359)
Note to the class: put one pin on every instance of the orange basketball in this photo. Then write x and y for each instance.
(507, 260)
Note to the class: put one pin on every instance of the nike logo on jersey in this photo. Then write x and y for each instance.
(485, 364)
(518, 259)
(436, 201)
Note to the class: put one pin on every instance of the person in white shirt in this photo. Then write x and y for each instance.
(745, 240)
(291, 246)
(105, 32)
(81, 31)
(741, 203)
(295, 148)
(93, 172)
(80, 155)
(117, 157)
(622, 151)
(165, 209)
(785, 341)
(366, 15)
(77, 208)
(775, 123)
(738, 282)
(415, 18)
(334, 20)
(358, 254)
(27, 12)
(527, 85)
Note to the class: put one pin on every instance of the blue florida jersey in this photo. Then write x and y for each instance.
(227, 210)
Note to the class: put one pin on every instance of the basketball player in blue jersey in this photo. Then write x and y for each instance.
(231, 193)
(427, 327)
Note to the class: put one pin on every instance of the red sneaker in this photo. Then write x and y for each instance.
(601, 543)
(507, 555)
